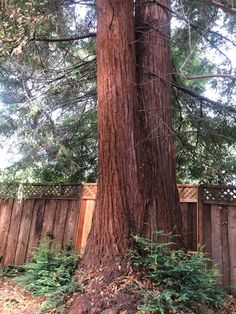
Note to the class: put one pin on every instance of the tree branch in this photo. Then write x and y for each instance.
(64, 39)
(200, 76)
(184, 89)
(226, 8)
(193, 25)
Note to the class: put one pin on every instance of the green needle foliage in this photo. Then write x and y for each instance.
(51, 273)
(179, 282)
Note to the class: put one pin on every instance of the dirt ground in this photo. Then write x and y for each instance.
(16, 300)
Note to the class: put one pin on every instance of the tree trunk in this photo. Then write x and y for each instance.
(117, 185)
(132, 132)
(154, 130)
(137, 184)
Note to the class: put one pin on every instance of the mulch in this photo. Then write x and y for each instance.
(16, 300)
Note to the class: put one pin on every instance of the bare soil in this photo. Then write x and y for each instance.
(16, 300)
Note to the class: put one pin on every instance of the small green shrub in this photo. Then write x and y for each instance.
(11, 271)
(51, 273)
(179, 282)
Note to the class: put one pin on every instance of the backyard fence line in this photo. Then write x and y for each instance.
(64, 212)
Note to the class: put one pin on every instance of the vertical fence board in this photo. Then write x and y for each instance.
(90, 206)
(49, 217)
(225, 246)
(13, 233)
(189, 216)
(216, 238)
(193, 225)
(207, 232)
(72, 221)
(184, 212)
(81, 225)
(232, 245)
(200, 213)
(36, 226)
(23, 238)
(6, 211)
(59, 223)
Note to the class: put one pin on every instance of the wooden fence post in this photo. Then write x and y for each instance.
(200, 222)
(86, 215)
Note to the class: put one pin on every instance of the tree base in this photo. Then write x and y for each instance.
(106, 291)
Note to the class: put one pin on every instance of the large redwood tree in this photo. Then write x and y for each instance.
(136, 187)
(116, 204)
(159, 201)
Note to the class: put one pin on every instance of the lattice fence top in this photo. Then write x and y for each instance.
(89, 191)
(188, 193)
(219, 193)
(26, 190)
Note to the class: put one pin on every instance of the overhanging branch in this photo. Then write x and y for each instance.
(201, 76)
(64, 39)
(224, 7)
(184, 89)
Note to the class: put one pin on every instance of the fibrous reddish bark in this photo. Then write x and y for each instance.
(136, 187)
(154, 131)
(117, 185)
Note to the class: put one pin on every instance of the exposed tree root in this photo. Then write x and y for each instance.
(107, 291)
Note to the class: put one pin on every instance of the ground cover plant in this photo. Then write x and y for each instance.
(51, 273)
(176, 281)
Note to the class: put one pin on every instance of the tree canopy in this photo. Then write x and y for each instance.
(48, 89)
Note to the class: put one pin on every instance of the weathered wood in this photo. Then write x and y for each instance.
(49, 217)
(192, 227)
(200, 222)
(36, 227)
(23, 224)
(232, 245)
(225, 246)
(6, 212)
(220, 202)
(13, 233)
(23, 238)
(72, 222)
(207, 233)
(184, 211)
(59, 223)
(216, 239)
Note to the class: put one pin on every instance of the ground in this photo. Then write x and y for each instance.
(16, 300)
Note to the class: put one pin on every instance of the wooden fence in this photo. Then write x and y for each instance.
(65, 212)
(47, 210)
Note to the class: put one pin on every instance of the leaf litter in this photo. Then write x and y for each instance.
(17, 300)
